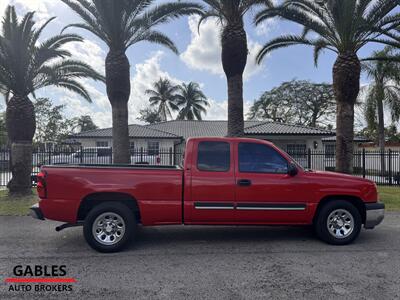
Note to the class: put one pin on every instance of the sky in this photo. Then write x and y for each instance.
(198, 61)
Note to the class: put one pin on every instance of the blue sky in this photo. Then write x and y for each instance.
(199, 61)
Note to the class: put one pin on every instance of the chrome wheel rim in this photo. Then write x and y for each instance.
(340, 223)
(108, 228)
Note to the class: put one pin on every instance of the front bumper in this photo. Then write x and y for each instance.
(36, 212)
(374, 214)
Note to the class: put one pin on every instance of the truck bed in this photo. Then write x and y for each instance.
(156, 189)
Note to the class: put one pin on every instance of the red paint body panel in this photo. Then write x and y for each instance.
(168, 196)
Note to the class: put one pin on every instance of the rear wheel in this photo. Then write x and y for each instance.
(338, 223)
(109, 227)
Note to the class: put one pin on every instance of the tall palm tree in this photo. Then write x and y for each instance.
(27, 65)
(230, 13)
(344, 27)
(163, 96)
(384, 89)
(121, 24)
(192, 102)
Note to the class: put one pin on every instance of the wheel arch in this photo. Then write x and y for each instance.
(356, 201)
(91, 200)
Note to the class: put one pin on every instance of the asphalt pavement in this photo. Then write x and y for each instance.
(177, 262)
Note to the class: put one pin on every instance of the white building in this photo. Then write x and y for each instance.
(173, 134)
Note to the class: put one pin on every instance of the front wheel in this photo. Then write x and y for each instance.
(109, 227)
(338, 223)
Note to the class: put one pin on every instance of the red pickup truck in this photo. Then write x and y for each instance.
(223, 181)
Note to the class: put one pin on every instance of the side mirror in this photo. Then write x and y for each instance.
(292, 169)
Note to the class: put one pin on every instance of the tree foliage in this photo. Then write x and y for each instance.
(163, 97)
(383, 67)
(297, 102)
(340, 25)
(186, 100)
(149, 115)
(192, 102)
(51, 125)
(84, 123)
(27, 64)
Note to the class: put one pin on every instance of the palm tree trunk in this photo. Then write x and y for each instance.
(118, 92)
(235, 106)
(346, 84)
(21, 126)
(381, 127)
(234, 59)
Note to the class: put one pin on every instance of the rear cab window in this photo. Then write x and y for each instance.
(213, 156)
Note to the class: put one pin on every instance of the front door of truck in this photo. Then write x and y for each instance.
(212, 183)
(265, 192)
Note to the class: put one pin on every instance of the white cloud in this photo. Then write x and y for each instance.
(204, 50)
(264, 28)
(41, 8)
(88, 52)
(219, 110)
(146, 74)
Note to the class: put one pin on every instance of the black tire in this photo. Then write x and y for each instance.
(321, 223)
(115, 209)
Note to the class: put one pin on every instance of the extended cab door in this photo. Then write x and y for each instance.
(265, 192)
(212, 186)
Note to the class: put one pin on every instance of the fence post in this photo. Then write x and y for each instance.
(309, 158)
(170, 156)
(49, 155)
(390, 167)
(363, 162)
(111, 155)
(141, 154)
(81, 156)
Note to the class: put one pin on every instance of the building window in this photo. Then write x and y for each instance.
(101, 144)
(296, 149)
(132, 147)
(153, 148)
(330, 150)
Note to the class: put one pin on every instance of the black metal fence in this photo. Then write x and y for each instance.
(95, 155)
(383, 168)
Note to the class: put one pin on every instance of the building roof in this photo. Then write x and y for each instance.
(135, 131)
(188, 129)
(357, 139)
(185, 129)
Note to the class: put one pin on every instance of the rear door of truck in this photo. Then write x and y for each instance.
(212, 187)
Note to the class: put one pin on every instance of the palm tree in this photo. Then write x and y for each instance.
(164, 97)
(384, 89)
(192, 101)
(26, 66)
(85, 123)
(344, 27)
(230, 13)
(121, 24)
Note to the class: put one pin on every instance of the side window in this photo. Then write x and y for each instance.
(213, 156)
(258, 158)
